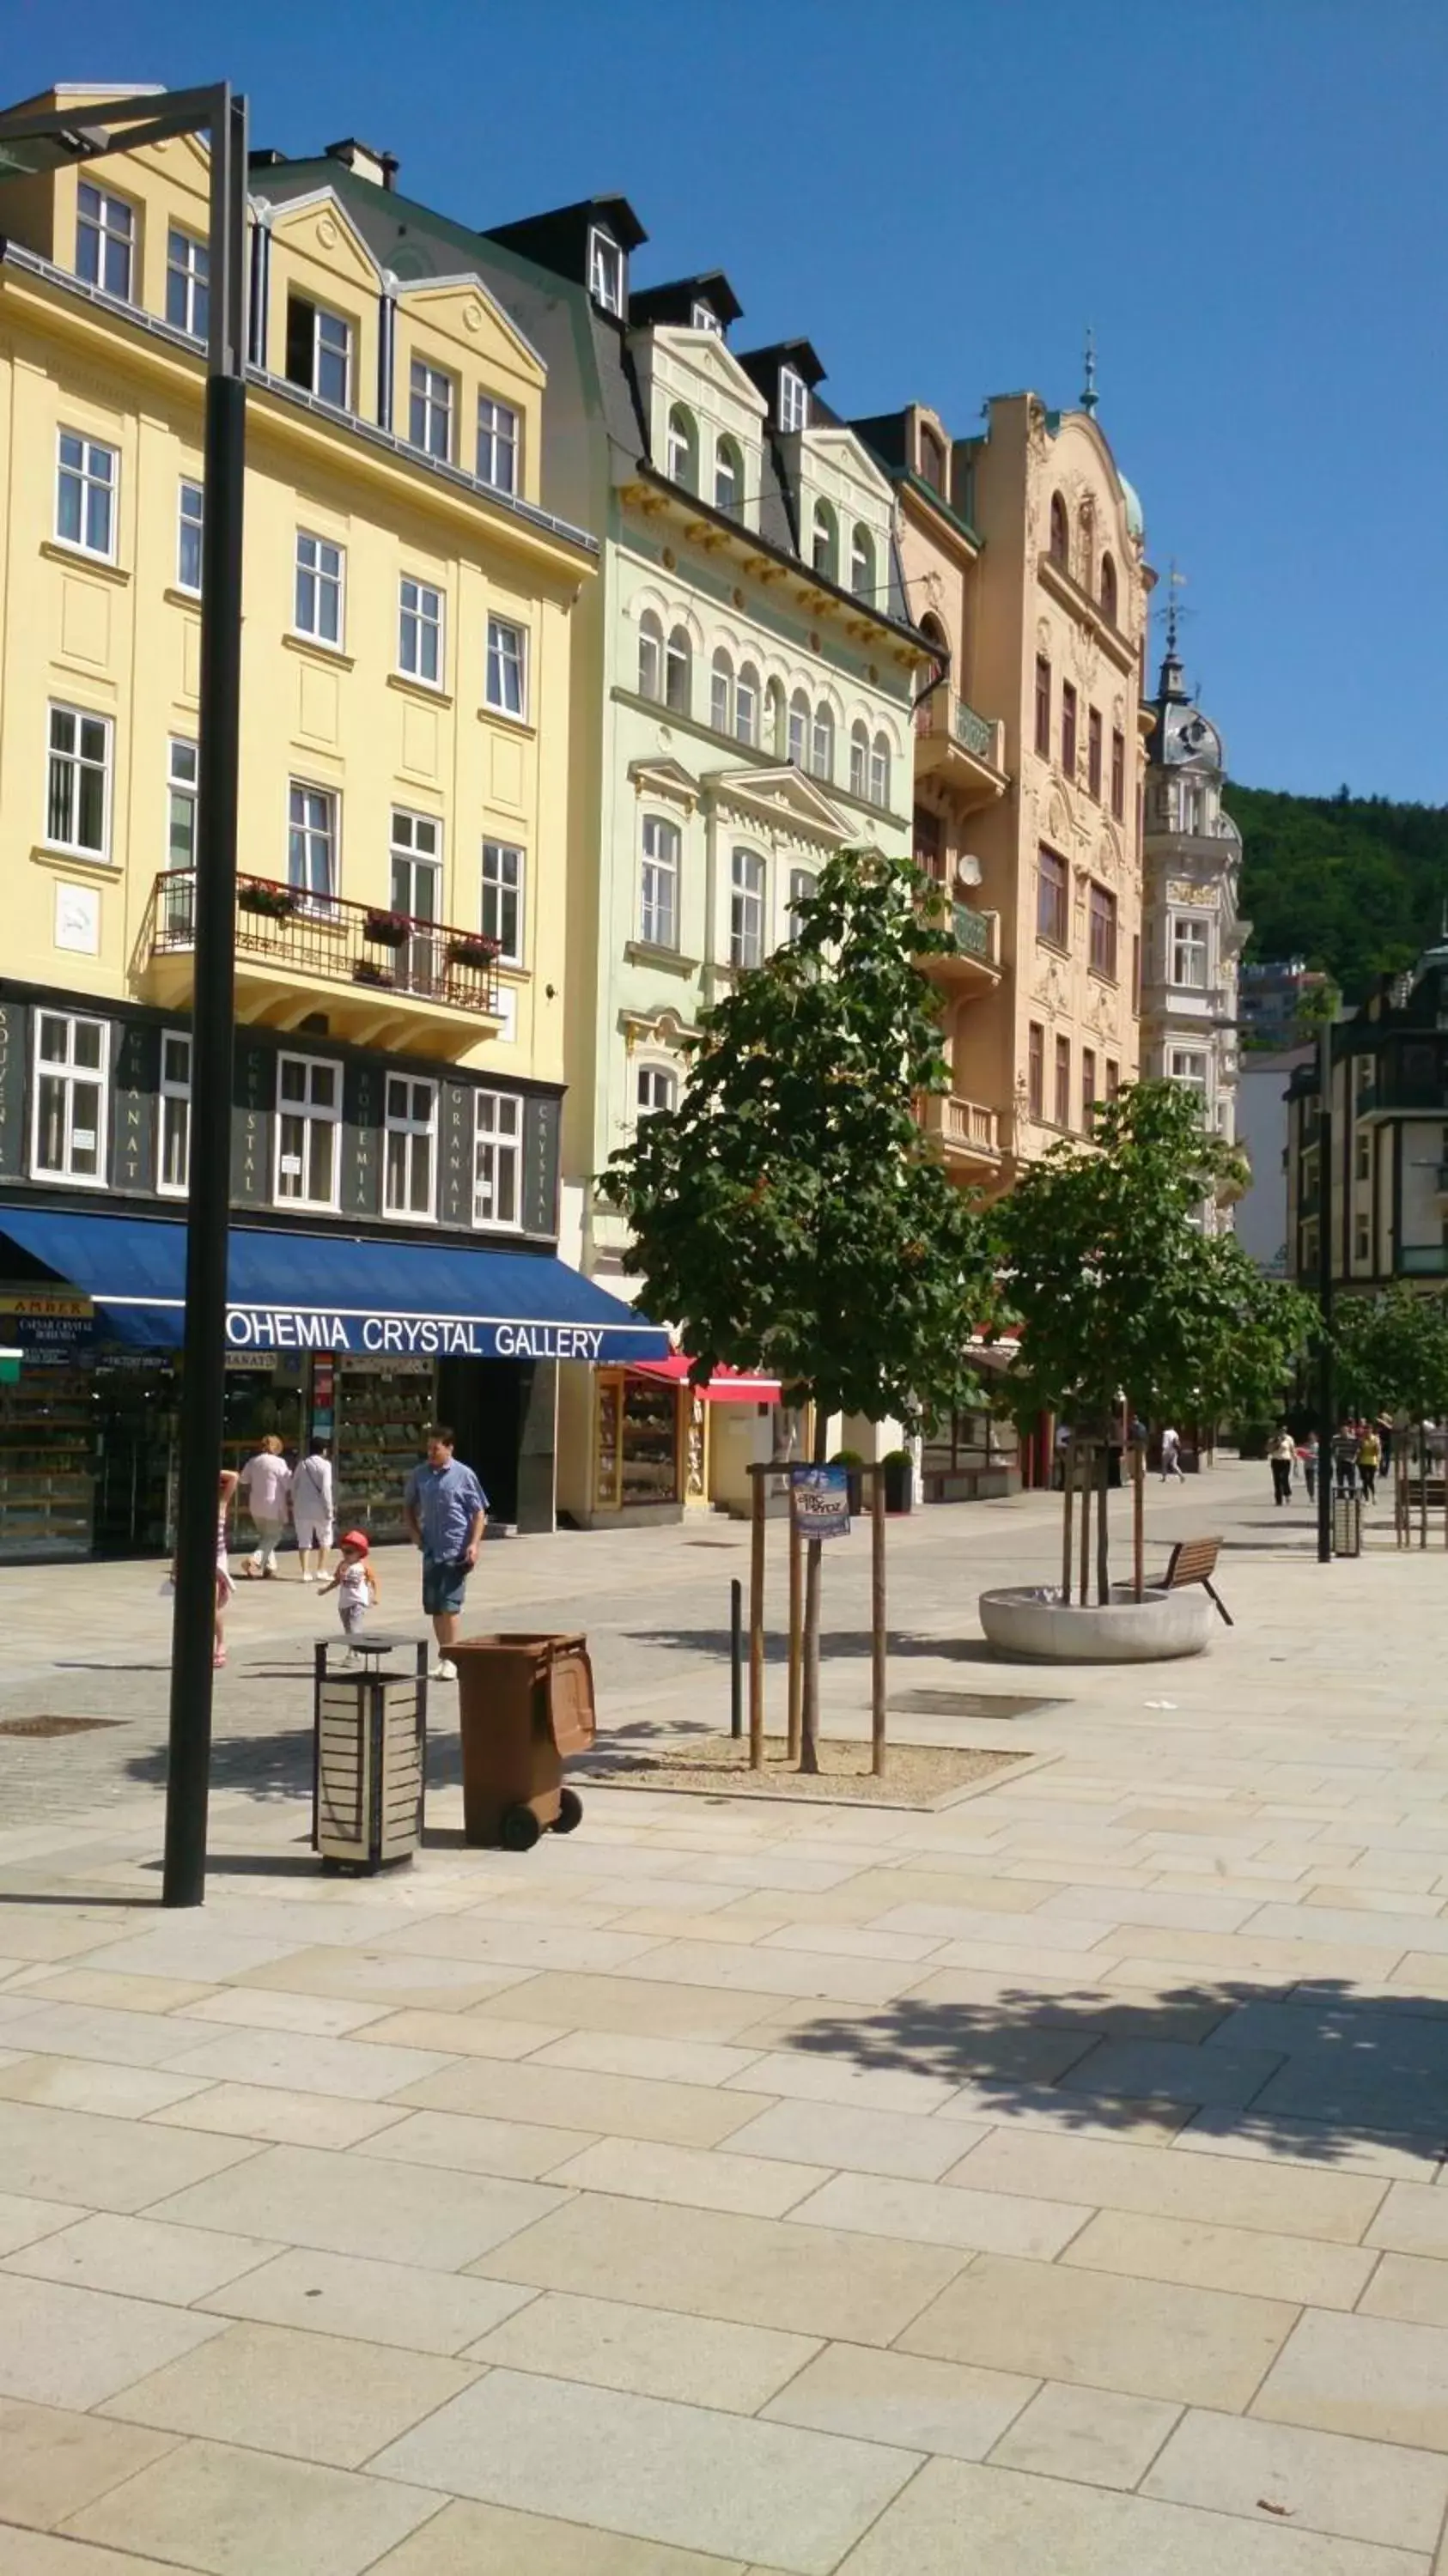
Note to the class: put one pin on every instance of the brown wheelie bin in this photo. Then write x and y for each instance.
(524, 1702)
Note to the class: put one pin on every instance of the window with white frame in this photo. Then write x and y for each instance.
(862, 563)
(181, 783)
(319, 351)
(309, 1131)
(824, 542)
(173, 1114)
(880, 770)
(728, 477)
(659, 883)
(746, 704)
(87, 472)
(702, 317)
(651, 656)
(320, 570)
(679, 671)
(1189, 1065)
(605, 270)
(721, 693)
(312, 842)
(409, 1163)
(430, 410)
(497, 444)
(859, 760)
(78, 790)
(793, 400)
(415, 864)
(497, 1159)
(419, 630)
(798, 728)
(68, 1134)
(802, 884)
(1189, 953)
(190, 521)
(656, 1087)
(503, 873)
(746, 909)
(683, 449)
(506, 687)
(822, 742)
(188, 283)
(105, 240)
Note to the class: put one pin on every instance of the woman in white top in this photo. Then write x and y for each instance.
(266, 1481)
(312, 1510)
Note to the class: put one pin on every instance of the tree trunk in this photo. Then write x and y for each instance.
(1088, 1462)
(809, 1757)
(1103, 1528)
(796, 1628)
(1068, 1472)
(877, 1627)
(1138, 1517)
(756, 1623)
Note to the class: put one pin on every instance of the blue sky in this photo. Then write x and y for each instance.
(1244, 199)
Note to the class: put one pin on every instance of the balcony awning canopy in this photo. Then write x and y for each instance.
(308, 1292)
(726, 1386)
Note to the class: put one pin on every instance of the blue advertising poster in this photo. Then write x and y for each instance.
(821, 1501)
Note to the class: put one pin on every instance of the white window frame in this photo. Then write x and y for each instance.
(862, 562)
(679, 671)
(497, 660)
(74, 1079)
(721, 692)
(1179, 1058)
(748, 895)
(76, 763)
(728, 471)
(315, 833)
(400, 1118)
(822, 741)
(426, 614)
(797, 729)
(661, 846)
(173, 1115)
(325, 351)
(682, 447)
(431, 403)
(191, 271)
(94, 486)
(504, 878)
(605, 270)
(327, 580)
(702, 317)
(803, 882)
(497, 1143)
(648, 1078)
(190, 517)
(1190, 942)
(183, 775)
(651, 657)
(793, 400)
(103, 229)
(746, 705)
(880, 771)
(500, 443)
(415, 839)
(310, 1112)
(859, 760)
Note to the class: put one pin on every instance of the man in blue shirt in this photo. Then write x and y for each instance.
(446, 1511)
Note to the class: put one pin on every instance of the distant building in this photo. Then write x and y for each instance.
(1262, 1127)
(1386, 1198)
(1271, 993)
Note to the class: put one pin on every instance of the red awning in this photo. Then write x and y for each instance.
(726, 1386)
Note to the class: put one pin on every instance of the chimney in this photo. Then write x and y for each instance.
(378, 168)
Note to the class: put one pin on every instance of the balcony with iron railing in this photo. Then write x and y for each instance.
(975, 957)
(383, 978)
(967, 1132)
(964, 751)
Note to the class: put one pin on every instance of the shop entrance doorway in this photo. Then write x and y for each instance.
(136, 1410)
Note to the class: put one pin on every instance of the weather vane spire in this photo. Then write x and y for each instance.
(1089, 395)
(1175, 581)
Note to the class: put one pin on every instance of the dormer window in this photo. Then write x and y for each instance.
(319, 351)
(704, 318)
(793, 400)
(605, 270)
(932, 459)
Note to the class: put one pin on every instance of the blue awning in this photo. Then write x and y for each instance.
(311, 1292)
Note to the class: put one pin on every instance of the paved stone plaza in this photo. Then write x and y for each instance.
(1046, 2184)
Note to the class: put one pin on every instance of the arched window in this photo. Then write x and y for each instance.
(728, 477)
(746, 703)
(862, 564)
(798, 728)
(679, 671)
(683, 449)
(651, 656)
(1086, 534)
(932, 459)
(825, 542)
(859, 760)
(880, 770)
(775, 737)
(822, 742)
(721, 693)
(1108, 590)
(1060, 532)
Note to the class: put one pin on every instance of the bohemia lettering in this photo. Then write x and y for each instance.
(281, 1328)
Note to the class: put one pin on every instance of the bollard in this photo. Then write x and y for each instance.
(736, 1659)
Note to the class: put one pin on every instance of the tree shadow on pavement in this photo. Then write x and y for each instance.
(844, 1642)
(1314, 2073)
(279, 1764)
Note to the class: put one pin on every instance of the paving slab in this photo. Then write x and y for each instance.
(54, 2462)
(341, 2205)
(904, 2398)
(590, 2101)
(1363, 2375)
(491, 2540)
(1360, 2490)
(228, 2512)
(299, 2395)
(1224, 2258)
(1096, 2435)
(61, 2346)
(648, 2351)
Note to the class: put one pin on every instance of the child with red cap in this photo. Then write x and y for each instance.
(355, 1585)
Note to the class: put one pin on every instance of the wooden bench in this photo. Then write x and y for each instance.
(1194, 1560)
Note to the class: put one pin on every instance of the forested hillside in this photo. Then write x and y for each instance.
(1354, 884)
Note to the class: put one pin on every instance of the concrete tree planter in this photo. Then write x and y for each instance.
(1032, 1624)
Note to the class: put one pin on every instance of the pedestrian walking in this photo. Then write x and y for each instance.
(1171, 1456)
(266, 1481)
(226, 1484)
(312, 1509)
(1282, 1457)
(1369, 1459)
(1385, 1437)
(356, 1587)
(1345, 1458)
(1307, 1455)
(446, 1511)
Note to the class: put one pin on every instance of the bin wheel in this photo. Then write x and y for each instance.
(570, 1811)
(519, 1830)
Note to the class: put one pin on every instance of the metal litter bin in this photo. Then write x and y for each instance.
(369, 1754)
(1347, 1524)
(524, 1703)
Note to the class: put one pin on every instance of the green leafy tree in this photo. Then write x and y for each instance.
(1392, 1352)
(1353, 884)
(1118, 1290)
(789, 1215)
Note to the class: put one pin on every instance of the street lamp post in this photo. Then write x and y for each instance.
(83, 135)
(1325, 1404)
